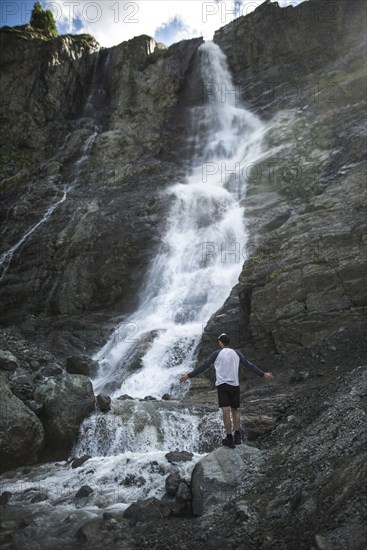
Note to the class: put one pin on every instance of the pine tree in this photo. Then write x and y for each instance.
(43, 20)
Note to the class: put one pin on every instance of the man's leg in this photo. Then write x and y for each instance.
(236, 419)
(227, 420)
(228, 440)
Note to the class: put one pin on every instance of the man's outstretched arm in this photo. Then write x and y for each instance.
(199, 370)
(246, 363)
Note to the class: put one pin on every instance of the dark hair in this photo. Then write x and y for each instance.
(224, 338)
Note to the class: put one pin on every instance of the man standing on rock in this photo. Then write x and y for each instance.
(226, 362)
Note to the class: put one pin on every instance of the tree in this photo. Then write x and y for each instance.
(43, 20)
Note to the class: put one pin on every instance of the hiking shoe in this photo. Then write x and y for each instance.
(237, 438)
(228, 442)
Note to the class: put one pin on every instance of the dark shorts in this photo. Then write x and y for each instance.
(228, 396)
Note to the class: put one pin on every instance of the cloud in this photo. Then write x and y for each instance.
(168, 21)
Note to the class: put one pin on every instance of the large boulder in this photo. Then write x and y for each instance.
(8, 361)
(151, 509)
(21, 432)
(67, 400)
(223, 474)
(21, 384)
(82, 364)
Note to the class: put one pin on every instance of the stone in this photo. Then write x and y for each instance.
(21, 384)
(35, 406)
(183, 492)
(178, 456)
(82, 364)
(151, 509)
(5, 497)
(84, 491)
(8, 361)
(67, 400)
(172, 483)
(124, 397)
(52, 370)
(77, 462)
(104, 402)
(21, 432)
(221, 475)
(166, 397)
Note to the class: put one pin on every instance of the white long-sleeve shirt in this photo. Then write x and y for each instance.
(226, 362)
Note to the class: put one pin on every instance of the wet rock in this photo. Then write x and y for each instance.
(104, 402)
(178, 456)
(52, 370)
(131, 480)
(84, 491)
(172, 484)
(82, 364)
(67, 400)
(21, 432)
(124, 397)
(150, 398)
(166, 397)
(147, 510)
(21, 384)
(221, 475)
(77, 462)
(5, 497)
(8, 361)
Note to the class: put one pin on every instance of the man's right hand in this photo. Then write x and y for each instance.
(268, 376)
(184, 377)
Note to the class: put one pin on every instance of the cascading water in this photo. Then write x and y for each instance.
(187, 282)
(190, 277)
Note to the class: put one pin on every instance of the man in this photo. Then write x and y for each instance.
(226, 362)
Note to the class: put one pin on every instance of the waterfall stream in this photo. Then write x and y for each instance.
(190, 278)
(198, 264)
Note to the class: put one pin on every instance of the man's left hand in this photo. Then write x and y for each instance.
(184, 377)
(268, 376)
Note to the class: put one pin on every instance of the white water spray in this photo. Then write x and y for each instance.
(196, 268)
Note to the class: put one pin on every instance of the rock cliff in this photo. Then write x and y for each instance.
(304, 276)
(106, 143)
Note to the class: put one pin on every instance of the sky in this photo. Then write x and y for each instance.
(112, 22)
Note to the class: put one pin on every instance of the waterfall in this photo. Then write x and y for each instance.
(190, 278)
(198, 262)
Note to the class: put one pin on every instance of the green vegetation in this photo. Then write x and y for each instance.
(43, 20)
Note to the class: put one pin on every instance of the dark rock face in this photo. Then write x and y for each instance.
(82, 364)
(104, 402)
(21, 432)
(67, 400)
